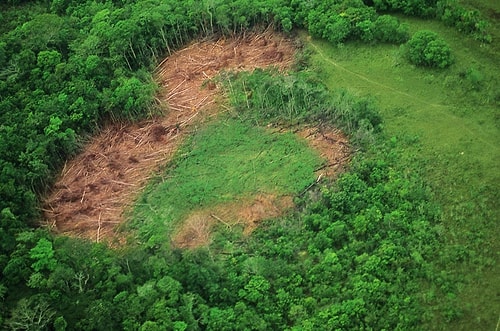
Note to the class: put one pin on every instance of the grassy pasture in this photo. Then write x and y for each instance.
(447, 122)
(224, 160)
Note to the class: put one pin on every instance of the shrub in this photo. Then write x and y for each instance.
(425, 48)
(365, 29)
(336, 30)
(388, 29)
(468, 21)
(472, 79)
(421, 8)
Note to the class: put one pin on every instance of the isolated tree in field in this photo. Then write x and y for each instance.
(425, 48)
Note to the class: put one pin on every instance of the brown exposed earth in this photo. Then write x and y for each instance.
(247, 213)
(96, 187)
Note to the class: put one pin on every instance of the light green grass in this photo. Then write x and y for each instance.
(223, 161)
(450, 130)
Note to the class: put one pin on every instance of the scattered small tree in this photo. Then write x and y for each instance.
(388, 29)
(425, 48)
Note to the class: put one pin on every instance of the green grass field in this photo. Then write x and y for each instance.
(448, 123)
(224, 160)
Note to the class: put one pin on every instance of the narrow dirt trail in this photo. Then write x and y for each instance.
(443, 110)
(96, 187)
(365, 78)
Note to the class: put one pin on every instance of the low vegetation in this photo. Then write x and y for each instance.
(300, 98)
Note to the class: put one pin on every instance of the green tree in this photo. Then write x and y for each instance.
(47, 60)
(256, 289)
(34, 313)
(388, 29)
(425, 48)
(60, 324)
(131, 97)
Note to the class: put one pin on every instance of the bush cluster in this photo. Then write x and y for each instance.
(340, 22)
(467, 21)
(426, 48)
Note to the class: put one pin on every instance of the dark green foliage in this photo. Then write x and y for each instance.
(368, 215)
(423, 8)
(388, 29)
(468, 21)
(425, 48)
(329, 26)
(130, 96)
(350, 20)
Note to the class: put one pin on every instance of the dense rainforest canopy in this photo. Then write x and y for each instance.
(353, 256)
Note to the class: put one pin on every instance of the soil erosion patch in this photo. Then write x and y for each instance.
(96, 187)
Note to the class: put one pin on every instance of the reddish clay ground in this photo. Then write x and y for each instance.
(248, 213)
(99, 185)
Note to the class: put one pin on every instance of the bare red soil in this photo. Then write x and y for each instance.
(247, 213)
(96, 188)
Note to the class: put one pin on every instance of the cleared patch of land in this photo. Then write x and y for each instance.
(100, 184)
(196, 229)
(231, 172)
